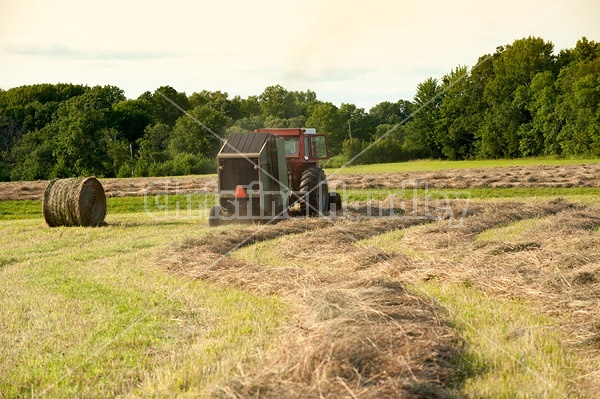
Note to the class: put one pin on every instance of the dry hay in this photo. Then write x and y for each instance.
(366, 339)
(553, 267)
(74, 202)
(355, 333)
(577, 175)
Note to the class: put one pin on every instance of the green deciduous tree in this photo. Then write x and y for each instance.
(199, 132)
(275, 101)
(390, 113)
(539, 135)
(32, 156)
(422, 128)
(153, 148)
(131, 118)
(514, 68)
(324, 116)
(459, 115)
(167, 104)
(579, 106)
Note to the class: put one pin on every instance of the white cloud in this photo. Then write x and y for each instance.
(63, 51)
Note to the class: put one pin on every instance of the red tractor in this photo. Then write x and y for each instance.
(262, 174)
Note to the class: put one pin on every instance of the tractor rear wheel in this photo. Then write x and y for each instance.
(314, 184)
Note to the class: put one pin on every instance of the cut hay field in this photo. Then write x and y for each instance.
(469, 288)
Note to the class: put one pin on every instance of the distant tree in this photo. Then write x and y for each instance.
(538, 135)
(355, 122)
(80, 145)
(514, 66)
(119, 160)
(33, 156)
(271, 121)
(236, 109)
(131, 118)
(422, 127)
(41, 93)
(578, 105)
(153, 148)
(326, 119)
(247, 124)
(218, 101)
(250, 106)
(586, 50)
(199, 132)
(390, 113)
(388, 147)
(459, 117)
(302, 100)
(167, 105)
(275, 101)
(26, 109)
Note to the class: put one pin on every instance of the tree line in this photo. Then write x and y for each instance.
(521, 101)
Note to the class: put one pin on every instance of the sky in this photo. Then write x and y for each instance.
(359, 52)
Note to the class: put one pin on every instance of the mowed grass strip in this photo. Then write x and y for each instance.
(194, 206)
(85, 313)
(512, 350)
(154, 206)
(592, 193)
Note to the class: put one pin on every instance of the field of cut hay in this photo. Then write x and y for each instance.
(380, 303)
(447, 175)
(432, 296)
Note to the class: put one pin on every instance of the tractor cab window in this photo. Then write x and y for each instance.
(318, 147)
(291, 146)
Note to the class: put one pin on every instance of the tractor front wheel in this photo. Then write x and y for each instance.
(314, 185)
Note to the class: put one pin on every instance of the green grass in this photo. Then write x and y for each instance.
(512, 352)
(89, 312)
(512, 233)
(422, 165)
(157, 207)
(11, 210)
(473, 193)
(195, 205)
(86, 312)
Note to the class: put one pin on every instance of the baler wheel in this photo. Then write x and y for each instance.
(213, 216)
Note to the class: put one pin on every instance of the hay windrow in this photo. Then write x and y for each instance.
(354, 328)
(367, 342)
(576, 175)
(554, 267)
(352, 315)
(74, 202)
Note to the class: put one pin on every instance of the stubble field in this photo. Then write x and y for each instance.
(404, 293)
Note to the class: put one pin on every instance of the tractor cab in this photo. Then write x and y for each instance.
(303, 150)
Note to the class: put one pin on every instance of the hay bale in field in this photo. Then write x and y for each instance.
(74, 202)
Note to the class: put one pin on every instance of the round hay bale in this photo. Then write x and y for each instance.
(74, 202)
